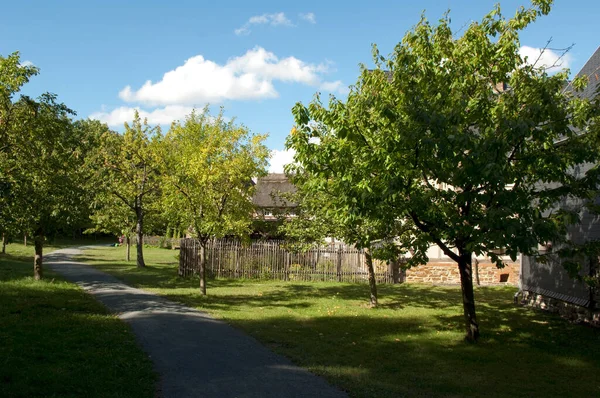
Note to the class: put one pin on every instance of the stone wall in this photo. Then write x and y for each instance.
(567, 310)
(446, 273)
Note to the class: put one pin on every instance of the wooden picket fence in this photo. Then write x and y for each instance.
(272, 260)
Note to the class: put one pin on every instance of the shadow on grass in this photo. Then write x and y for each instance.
(10, 258)
(58, 341)
(410, 346)
(291, 294)
(401, 357)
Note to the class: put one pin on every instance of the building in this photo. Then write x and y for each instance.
(548, 285)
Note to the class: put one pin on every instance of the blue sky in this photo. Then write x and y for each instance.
(255, 58)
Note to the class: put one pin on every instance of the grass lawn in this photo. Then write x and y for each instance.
(411, 346)
(57, 341)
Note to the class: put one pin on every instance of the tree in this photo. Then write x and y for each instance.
(13, 76)
(322, 210)
(127, 179)
(47, 183)
(109, 215)
(438, 147)
(209, 163)
(41, 155)
(107, 212)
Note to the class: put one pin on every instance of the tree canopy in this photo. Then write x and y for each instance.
(458, 138)
(41, 158)
(209, 163)
(127, 180)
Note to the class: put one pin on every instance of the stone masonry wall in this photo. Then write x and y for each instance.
(446, 273)
(567, 310)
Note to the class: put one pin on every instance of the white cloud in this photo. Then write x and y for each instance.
(124, 114)
(309, 17)
(277, 19)
(280, 158)
(258, 19)
(544, 58)
(249, 76)
(25, 64)
(242, 31)
(336, 86)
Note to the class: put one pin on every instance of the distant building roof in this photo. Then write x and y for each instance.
(388, 74)
(592, 70)
(269, 190)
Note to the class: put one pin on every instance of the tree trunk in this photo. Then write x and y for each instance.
(139, 227)
(593, 275)
(3, 243)
(372, 283)
(395, 264)
(25, 240)
(477, 272)
(128, 254)
(38, 240)
(202, 269)
(466, 283)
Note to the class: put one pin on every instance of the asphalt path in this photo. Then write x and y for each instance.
(195, 355)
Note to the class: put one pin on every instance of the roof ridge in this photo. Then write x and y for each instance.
(589, 62)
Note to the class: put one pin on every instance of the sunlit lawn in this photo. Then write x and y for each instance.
(57, 341)
(411, 346)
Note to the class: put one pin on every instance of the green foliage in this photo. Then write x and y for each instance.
(434, 144)
(13, 76)
(428, 141)
(209, 163)
(126, 180)
(41, 156)
(126, 170)
(163, 242)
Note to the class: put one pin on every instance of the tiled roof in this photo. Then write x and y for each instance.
(388, 74)
(592, 70)
(269, 190)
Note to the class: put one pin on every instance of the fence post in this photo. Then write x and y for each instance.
(339, 263)
(181, 260)
(286, 266)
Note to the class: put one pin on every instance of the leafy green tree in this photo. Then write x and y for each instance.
(437, 146)
(108, 214)
(209, 163)
(322, 213)
(40, 157)
(47, 185)
(13, 76)
(127, 180)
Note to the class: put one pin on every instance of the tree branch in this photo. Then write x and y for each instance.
(425, 228)
(118, 195)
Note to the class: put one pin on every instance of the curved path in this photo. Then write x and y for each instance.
(194, 354)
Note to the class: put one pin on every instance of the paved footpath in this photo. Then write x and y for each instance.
(194, 354)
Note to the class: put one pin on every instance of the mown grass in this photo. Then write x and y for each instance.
(411, 346)
(57, 341)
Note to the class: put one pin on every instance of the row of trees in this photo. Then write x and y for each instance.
(196, 177)
(430, 149)
(425, 150)
(41, 158)
(58, 175)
